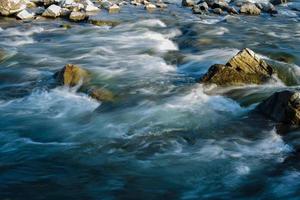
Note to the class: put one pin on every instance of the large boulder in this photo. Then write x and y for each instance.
(72, 75)
(244, 68)
(282, 107)
(9, 7)
(250, 9)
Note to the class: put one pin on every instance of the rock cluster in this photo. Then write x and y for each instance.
(75, 76)
(233, 7)
(244, 68)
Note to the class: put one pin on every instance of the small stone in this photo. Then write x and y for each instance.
(218, 11)
(52, 11)
(91, 8)
(278, 2)
(114, 9)
(65, 26)
(188, 3)
(101, 95)
(232, 11)
(150, 7)
(161, 5)
(65, 12)
(250, 9)
(25, 14)
(203, 6)
(78, 16)
(100, 22)
(39, 10)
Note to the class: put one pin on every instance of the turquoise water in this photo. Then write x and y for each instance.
(167, 137)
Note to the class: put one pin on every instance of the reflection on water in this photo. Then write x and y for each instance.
(167, 137)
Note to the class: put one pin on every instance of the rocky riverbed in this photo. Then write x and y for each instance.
(149, 99)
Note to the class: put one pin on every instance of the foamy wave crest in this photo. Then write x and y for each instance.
(57, 103)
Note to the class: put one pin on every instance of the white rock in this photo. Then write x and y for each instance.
(150, 7)
(91, 8)
(24, 14)
(52, 11)
(114, 9)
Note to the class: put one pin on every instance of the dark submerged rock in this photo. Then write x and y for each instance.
(282, 107)
(244, 68)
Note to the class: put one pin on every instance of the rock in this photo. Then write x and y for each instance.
(188, 3)
(196, 10)
(114, 9)
(219, 4)
(29, 4)
(203, 6)
(218, 11)
(232, 11)
(65, 12)
(244, 68)
(39, 10)
(78, 16)
(282, 107)
(101, 95)
(10, 7)
(278, 2)
(135, 3)
(268, 8)
(101, 22)
(24, 14)
(150, 7)
(250, 9)
(65, 26)
(91, 8)
(161, 5)
(72, 75)
(52, 11)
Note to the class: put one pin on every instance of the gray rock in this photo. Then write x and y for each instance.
(10, 7)
(218, 11)
(203, 6)
(78, 16)
(25, 14)
(278, 2)
(268, 8)
(282, 107)
(52, 11)
(39, 10)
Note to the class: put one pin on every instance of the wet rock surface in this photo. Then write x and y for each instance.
(244, 68)
(282, 107)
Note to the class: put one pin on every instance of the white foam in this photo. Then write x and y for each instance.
(57, 103)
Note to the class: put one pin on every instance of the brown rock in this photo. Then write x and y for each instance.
(244, 68)
(72, 75)
(282, 107)
(78, 16)
(102, 95)
(9, 7)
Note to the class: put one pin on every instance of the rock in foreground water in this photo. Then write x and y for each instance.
(282, 107)
(244, 68)
(72, 75)
(9, 7)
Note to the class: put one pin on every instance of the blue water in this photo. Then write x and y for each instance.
(167, 136)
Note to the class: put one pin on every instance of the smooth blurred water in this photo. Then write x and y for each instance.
(167, 137)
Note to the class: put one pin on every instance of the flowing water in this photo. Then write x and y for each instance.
(167, 137)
